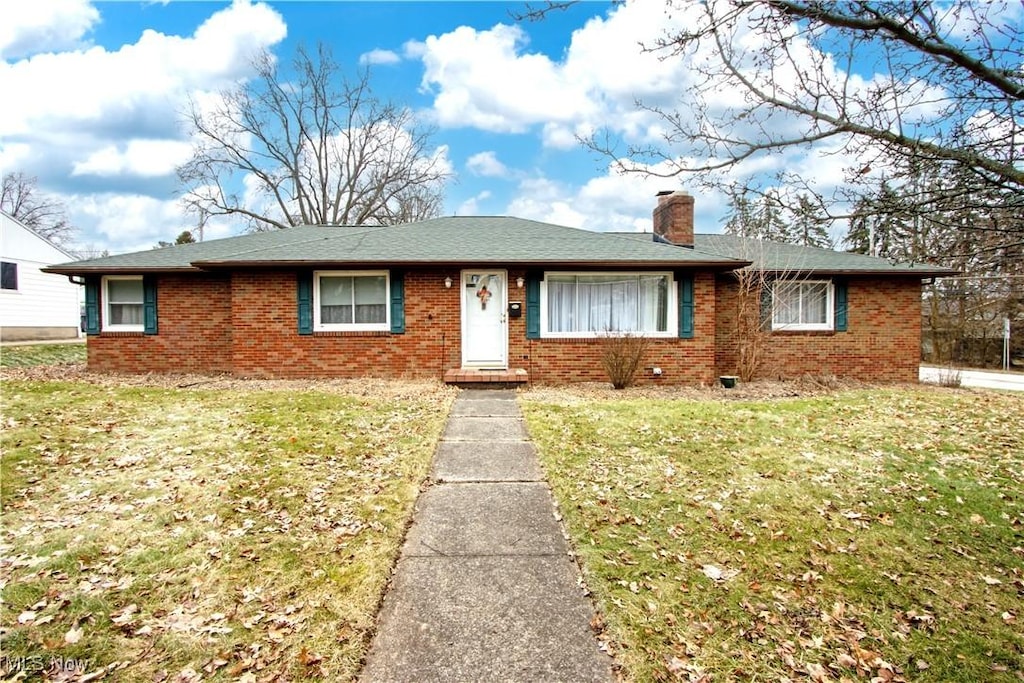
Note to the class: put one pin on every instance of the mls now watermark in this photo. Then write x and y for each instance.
(42, 664)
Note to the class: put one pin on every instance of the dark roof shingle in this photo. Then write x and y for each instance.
(451, 240)
(483, 240)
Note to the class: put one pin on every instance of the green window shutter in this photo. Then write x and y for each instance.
(305, 295)
(149, 304)
(397, 302)
(685, 284)
(841, 305)
(92, 305)
(533, 305)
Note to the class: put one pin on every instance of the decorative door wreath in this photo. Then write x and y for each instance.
(483, 294)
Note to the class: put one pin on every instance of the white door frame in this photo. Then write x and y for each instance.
(499, 300)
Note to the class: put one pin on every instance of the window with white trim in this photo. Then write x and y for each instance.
(351, 300)
(806, 305)
(591, 304)
(123, 303)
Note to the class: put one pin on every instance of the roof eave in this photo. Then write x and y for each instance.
(895, 272)
(117, 270)
(531, 263)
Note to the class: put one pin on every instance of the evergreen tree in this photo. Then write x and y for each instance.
(740, 221)
(769, 222)
(808, 224)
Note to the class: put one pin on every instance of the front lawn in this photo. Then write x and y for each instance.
(864, 534)
(42, 354)
(168, 534)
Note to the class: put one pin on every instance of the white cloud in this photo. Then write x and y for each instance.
(483, 79)
(610, 202)
(129, 222)
(486, 164)
(471, 207)
(379, 56)
(491, 80)
(107, 121)
(34, 26)
(140, 81)
(145, 158)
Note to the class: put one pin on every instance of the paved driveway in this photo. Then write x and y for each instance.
(983, 379)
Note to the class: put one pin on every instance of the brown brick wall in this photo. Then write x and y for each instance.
(194, 325)
(882, 342)
(267, 342)
(682, 361)
(247, 324)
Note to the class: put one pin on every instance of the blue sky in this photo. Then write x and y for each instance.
(102, 86)
(108, 142)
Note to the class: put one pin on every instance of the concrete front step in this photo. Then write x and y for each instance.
(474, 378)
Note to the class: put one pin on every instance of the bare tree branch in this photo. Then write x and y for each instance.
(320, 149)
(896, 86)
(47, 217)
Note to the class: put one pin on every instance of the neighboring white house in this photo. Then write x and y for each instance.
(34, 305)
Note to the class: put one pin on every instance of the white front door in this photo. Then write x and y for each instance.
(484, 319)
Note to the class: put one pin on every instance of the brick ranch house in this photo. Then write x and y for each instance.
(494, 298)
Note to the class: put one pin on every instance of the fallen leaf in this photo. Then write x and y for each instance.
(307, 658)
(73, 635)
(718, 574)
(712, 572)
(846, 661)
(817, 673)
(26, 617)
(990, 580)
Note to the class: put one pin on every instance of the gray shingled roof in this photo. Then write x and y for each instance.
(484, 241)
(794, 258)
(779, 257)
(451, 240)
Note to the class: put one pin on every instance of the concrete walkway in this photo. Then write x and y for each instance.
(485, 589)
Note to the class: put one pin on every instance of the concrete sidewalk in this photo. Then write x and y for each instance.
(981, 379)
(485, 588)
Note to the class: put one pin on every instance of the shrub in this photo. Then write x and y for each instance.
(621, 356)
(950, 376)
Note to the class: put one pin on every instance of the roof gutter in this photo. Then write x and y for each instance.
(71, 271)
(920, 273)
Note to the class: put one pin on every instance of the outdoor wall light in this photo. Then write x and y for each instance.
(519, 282)
(448, 282)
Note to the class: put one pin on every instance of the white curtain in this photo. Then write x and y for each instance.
(607, 303)
(125, 301)
(800, 303)
(814, 303)
(353, 299)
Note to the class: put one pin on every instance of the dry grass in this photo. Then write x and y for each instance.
(42, 354)
(174, 528)
(867, 534)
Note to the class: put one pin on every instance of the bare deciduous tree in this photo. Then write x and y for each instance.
(963, 316)
(896, 85)
(321, 149)
(46, 216)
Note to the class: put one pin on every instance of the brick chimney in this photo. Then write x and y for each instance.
(673, 218)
